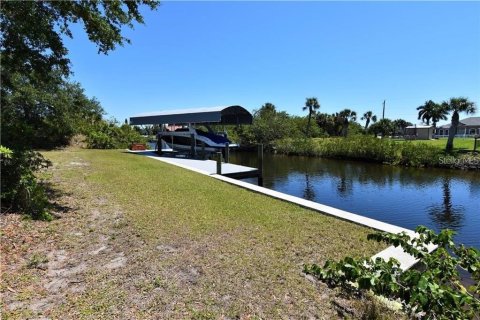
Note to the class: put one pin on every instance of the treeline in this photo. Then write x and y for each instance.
(270, 125)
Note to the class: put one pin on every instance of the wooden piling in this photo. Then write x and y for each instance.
(219, 163)
(475, 142)
(260, 165)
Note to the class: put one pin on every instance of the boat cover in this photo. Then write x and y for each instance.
(215, 115)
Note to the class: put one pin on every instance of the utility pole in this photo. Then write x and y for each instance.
(383, 113)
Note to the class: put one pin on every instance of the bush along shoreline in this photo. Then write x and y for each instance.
(385, 151)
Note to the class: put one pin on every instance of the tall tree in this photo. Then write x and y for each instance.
(425, 111)
(369, 116)
(32, 32)
(347, 115)
(384, 127)
(439, 112)
(399, 126)
(35, 93)
(34, 58)
(457, 106)
(266, 109)
(311, 104)
(328, 123)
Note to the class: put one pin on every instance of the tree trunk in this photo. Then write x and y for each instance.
(308, 124)
(367, 123)
(452, 131)
(345, 128)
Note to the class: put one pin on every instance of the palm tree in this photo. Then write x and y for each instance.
(311, 104)
(399, 126)
(457, 105)
(426, 110)
(439, 112)
(368, 116)
(347, 115)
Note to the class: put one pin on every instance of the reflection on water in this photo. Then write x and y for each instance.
(447, 215)
(308, 193)
(402, 196)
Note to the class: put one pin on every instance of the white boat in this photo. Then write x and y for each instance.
(181, 139)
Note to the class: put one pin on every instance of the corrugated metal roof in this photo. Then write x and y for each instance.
(219, 115)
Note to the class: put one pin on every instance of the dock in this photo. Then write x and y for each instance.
(208, 167)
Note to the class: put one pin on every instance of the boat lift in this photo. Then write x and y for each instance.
(223, 115)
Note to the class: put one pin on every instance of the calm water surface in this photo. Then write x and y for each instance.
(406, 197)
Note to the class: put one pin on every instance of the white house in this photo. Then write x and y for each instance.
(468, 127)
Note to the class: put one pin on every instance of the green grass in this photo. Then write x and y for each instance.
(459, 144)
(237, 254)
(413, 153)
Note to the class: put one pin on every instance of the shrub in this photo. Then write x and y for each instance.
(418, 155)
(434, 290)
(108, 135)
(355, 147)
(368, 148)
(20, 189)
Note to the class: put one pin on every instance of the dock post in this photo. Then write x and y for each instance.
(475, 142)
(192, 146)
(260, 165)
(203, 150)
(219, 163)
(227, 152)
(158, 146)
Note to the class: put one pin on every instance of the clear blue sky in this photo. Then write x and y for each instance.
(347, 54)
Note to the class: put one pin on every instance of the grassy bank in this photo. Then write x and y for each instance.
(460, 144)
(368, 148)
(139, 238)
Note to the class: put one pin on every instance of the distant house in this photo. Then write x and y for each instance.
(418, 132)
(467, 127)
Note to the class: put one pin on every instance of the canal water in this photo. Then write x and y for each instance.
(406, 197)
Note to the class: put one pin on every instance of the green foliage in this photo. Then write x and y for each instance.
(417, 155)
(457, 106)
(384, 127)
(331, 125)
(312, 105)
(399, 126)
(108, 135)
(268, 125)
(433, 290)
(20, 188)
(32, 32)
(40, 108)
(45, 116)
(5, 153)
(36, 260)
(355, 147)
(366, 148)
(368, 117)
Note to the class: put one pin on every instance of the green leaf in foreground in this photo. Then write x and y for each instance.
(433, 290)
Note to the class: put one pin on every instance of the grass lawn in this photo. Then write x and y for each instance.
(459, 144)
(139, 238)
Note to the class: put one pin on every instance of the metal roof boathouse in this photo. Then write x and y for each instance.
(216, 115)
